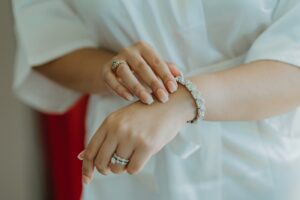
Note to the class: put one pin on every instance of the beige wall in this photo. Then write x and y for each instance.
(21, 170)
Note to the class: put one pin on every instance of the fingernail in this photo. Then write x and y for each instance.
(148, 98)
(181, 73)
(172, 87)
(129, 97)
(80, 155)
(86, 179)
(162, 95)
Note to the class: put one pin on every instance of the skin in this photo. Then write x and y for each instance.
(146, 64)
(251, 91)
(136, 136)
(89, 71)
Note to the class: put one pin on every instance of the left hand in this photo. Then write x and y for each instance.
(136, 132)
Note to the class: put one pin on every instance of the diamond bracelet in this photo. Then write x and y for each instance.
(200, 102)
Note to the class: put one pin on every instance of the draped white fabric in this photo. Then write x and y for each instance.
(211, 160)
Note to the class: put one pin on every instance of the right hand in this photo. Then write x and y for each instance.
(143, 68)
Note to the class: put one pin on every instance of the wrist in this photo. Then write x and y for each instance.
(180, 108)
(182, 105)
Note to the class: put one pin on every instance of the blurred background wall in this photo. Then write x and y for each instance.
(21, 168)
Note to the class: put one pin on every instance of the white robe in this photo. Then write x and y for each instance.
(210, 161)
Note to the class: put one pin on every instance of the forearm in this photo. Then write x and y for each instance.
(249, 92)
(79, 70)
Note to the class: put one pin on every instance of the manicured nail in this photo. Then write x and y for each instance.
(149, 100)
(147, 97)
(86, 179)
(129, 97)
(172, 87)
(162, 95)
(80, 155)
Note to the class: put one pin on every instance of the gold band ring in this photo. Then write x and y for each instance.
(115, 64)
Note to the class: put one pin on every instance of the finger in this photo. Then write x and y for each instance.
(124, 150)
(104, 155)
(87, 171)
(90, 154)
(173, 69)
(149, 90)
(138, 160)
(111, 80)
(160, 68)
(132, 83)
(144, 71)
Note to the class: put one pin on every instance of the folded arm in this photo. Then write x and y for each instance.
(79, 70)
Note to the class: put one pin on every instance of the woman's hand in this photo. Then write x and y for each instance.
(136, 132)
(142, 68)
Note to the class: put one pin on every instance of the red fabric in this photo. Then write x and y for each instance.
(64, 139)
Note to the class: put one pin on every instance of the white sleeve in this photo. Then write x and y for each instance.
(281, 40)
(45, 30)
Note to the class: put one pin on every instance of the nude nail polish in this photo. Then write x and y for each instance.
(171, 86)
(147, 97)
(129, 97)
(149, 100)
(162, 95)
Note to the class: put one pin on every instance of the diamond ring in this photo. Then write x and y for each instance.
(115, 159)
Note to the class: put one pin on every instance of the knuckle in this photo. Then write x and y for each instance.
(130, 136)
(157, 61)
(141, 67)
(121, 127)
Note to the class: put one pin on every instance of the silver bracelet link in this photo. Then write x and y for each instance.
(199, 100)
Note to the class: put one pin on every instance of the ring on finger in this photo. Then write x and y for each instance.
(116, 63)
(115, 159)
